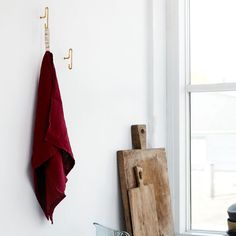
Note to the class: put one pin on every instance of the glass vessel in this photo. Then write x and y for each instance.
(104, 231)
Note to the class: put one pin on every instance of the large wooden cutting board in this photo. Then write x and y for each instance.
(154, 165)
(143, 207)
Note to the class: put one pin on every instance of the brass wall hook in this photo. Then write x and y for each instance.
(70, 56)
(46, 16)
(46, 29)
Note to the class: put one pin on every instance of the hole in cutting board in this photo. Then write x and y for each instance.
(140, 175)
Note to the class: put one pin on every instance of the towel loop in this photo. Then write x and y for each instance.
(70, 53)
(46, 28)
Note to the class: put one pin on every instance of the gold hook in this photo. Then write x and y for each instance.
(69, 57)
(46, 15)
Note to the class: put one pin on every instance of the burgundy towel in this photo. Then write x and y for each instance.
(52, 157)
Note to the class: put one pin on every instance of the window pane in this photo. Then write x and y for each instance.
(213, 158)
(213, 41)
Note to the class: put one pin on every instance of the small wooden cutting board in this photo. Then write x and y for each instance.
(143, 207)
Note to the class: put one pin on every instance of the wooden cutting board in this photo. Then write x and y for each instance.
(143, 207)
(154, 165)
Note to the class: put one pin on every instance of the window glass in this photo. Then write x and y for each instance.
(213, 41)
(213, 159)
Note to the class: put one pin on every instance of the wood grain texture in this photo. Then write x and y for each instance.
(154, 165)
(138, 134)
(143, 208)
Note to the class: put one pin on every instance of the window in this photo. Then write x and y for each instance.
(213, 158)
(212, 112)
(201, 112)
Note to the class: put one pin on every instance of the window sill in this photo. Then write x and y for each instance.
(202, 233)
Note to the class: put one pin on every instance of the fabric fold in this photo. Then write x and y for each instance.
(52, 157)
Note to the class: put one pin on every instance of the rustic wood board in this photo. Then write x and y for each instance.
(143, 209)
(154, 165)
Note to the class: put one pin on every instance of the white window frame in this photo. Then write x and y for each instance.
(178, 89)
(177, 146)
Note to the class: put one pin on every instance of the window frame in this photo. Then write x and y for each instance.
(178, 90)
(177, 105)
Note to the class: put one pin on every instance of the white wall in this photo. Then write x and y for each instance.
(104, 94)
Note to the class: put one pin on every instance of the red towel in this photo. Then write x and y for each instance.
(52, 157)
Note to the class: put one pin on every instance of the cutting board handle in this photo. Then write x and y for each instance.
(138, 133)
(139, 175)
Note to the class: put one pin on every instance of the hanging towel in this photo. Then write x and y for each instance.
(52, 157)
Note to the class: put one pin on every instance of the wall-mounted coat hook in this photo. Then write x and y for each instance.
(46, 28)
(46, 16)
(70, 55)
